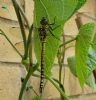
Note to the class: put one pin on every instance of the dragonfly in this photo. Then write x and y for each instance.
(43, 31)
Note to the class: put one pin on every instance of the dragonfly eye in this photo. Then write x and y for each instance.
(44, 21)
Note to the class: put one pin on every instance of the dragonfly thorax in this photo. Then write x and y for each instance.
(42, 34)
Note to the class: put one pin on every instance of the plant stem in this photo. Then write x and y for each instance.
(61, 60)
(30, 54)
(61, 56)
(60, 71)
(24, 85)
(68, 42)
(20, 22)
(11, 43)
(30, 72)
(29, 42)
(23, 14)
(59, 89)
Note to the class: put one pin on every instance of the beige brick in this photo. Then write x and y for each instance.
(29, 10)
(10, 81)
(70, 27)
(14, 34)
(87, 90)
(6, 51)
(9, 12)
(89, 7)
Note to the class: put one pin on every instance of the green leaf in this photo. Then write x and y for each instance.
(60, 10)
(90, 63)
(90, 79)
(35, 98)
(72, 65)
(81, 51)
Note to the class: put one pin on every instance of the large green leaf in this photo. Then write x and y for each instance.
(59, 9)
(82, 48)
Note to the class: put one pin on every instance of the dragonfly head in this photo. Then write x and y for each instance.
(44, 21)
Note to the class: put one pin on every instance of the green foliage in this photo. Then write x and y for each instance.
(85, 61)
(61, 10)
(90, 79)
(82, 48)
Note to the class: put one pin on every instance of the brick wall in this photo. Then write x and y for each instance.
(10, 69)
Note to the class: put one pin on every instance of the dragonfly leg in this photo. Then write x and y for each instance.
(50, 31)
(53, 24)
(54, 27)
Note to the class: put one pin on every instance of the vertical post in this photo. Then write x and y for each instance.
(78, 21)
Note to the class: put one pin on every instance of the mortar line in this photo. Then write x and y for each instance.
(74, 96)
(8, 20)
(18, 63)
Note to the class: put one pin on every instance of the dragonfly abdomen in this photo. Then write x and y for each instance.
(42, 67)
